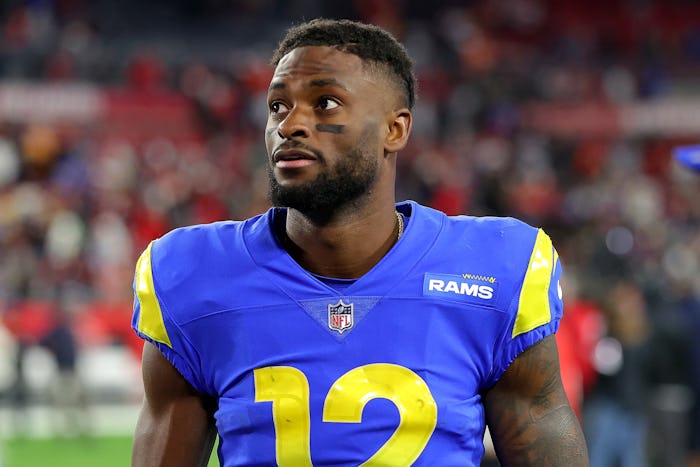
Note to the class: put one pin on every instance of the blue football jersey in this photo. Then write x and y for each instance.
(387, 371)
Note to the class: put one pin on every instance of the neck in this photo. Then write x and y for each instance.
(347, 246)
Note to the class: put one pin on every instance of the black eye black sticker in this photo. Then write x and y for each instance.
(327, 128)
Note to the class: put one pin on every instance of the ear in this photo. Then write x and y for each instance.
(399, 129)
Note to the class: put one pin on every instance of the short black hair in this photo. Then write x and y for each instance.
(369, 42)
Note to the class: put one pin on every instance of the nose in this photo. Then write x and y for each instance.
(295, 124)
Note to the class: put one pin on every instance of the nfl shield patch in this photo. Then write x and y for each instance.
(340, 316)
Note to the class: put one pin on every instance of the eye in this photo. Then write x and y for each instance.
(328, 103)
(277, 107)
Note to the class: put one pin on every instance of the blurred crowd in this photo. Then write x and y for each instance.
(178, 139)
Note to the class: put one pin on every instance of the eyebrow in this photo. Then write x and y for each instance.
(316, 83)
(276, 85)
(327, 82)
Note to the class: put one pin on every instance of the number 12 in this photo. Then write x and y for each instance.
(288, 390)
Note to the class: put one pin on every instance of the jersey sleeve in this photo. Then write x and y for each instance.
(537, 306)
(152, 322)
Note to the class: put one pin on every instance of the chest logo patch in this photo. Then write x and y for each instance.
(467, 287)
(341, 316)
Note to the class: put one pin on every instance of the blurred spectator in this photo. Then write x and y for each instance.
(580, 329)
(689, 307)
(615, 415)
(67, 393)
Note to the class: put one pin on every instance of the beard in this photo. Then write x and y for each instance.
(336, 187)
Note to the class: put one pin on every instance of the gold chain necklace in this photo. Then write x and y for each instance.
(399, 219)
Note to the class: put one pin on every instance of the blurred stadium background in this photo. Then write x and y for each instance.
(122, 120)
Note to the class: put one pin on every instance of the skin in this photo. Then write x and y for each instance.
(175, 426)
(529, 416)
(326, 102)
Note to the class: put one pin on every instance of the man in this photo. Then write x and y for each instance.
(340, 328)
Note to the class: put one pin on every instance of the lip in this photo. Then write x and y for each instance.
(291, 154)
(292, 158)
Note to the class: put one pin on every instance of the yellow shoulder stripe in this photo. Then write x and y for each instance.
(151, 317)
(533, 306)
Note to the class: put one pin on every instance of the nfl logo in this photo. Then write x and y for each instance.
(340, 316)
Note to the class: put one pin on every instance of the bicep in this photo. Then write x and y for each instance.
(175, 425)
(529, 416)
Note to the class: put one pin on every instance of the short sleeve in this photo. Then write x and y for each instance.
(537, 307)
(152, 322)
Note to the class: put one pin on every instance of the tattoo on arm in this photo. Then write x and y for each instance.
(529, 416)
